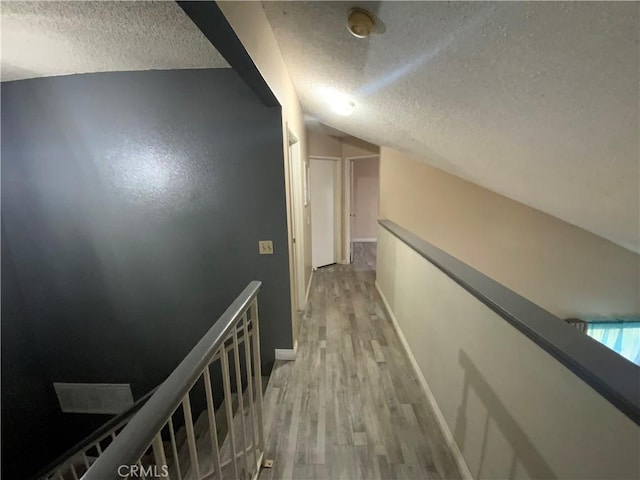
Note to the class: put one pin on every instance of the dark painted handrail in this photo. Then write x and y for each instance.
(611, 375)
(135, 438)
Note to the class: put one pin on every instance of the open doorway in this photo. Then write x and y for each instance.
(361, 212)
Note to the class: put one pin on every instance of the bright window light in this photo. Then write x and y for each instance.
(621, 337)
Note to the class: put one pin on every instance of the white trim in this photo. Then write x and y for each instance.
(321, 157)
(348, 187)
(346, 182)
(287, 354)
(292, 138)
(306, 297)
(295, 169)
(360, 157)
(444, 427)
(365, 239)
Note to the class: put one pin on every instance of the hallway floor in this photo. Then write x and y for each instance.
(350, 406)
(364, 255)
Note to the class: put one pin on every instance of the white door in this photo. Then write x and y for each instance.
(321, 186)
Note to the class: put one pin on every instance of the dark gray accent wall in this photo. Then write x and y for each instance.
(208, 17)
(28, 399)
(133, 203)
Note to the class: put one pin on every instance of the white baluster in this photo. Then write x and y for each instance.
(142, 475)
(174, 448)
(247, 357)
(236, 358)
(158, 451)
(213, 433)
(191, 437)
(229, 409)
(257, 368)
(74, 474)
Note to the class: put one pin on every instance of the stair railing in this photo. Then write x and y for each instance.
(147, 446)
(77, 460)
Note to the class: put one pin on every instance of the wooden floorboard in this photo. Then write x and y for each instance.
(350, 406)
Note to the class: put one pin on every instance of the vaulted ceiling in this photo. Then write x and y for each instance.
(538, 101)
(45, 38)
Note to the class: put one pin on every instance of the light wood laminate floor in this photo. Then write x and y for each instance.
(350, 406)
(364, 255)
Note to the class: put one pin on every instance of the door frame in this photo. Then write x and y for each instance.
(347, 248)
(295, 166)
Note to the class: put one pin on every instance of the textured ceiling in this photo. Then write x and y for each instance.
(312, 124)
(58, 38)
(536, 101)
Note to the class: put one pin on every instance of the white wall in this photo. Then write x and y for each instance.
(514, 411)
(321, 145)
(355, 147)
(564, 269)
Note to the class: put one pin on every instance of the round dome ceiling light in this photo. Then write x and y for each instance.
(338, 101)
(343, 106)
(360, 22)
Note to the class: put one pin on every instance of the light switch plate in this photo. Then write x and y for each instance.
(266, 247)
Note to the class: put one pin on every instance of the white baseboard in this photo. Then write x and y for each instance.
(365, 239)
(444, 427)
(306, 297)
(287, 354)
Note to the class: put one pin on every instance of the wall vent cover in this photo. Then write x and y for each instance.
(110, 398)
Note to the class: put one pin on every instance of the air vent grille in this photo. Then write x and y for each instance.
(107, 398)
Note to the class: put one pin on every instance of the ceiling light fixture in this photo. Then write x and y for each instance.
(360, 22)
(339, 103)
(343, 107)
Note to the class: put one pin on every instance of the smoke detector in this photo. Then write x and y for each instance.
(360, 22)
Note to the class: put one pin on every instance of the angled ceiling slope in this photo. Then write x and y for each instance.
(537, 101)
(46, 38)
